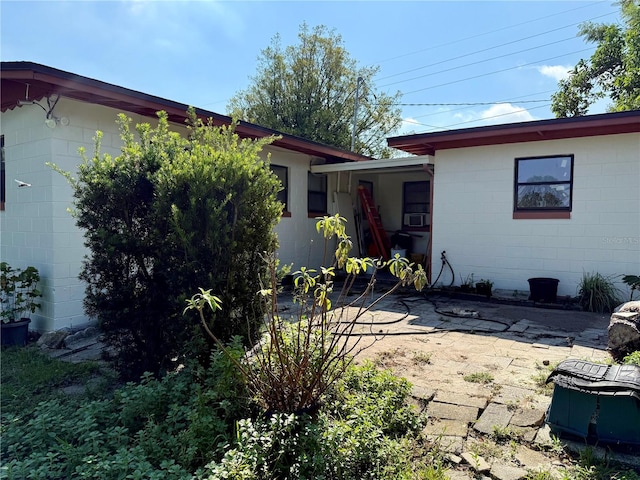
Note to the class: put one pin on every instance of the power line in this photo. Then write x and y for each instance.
(497, 71)
(490, 32)
(463, 103)
(493, 47)
(479, 119)
(475, 63)
(496, 116)
(507, 100)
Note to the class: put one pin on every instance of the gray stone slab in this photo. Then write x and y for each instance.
(527, 418)
(460, 399)
(452, 412)
(458, 475)
(476, 462)
(510, 394)
(528, 434)
(422, 393)
(448, 443)
(530, 458)
(519, 327)
(543, 437)
(494, 415)
(507, 472)
(454, 428)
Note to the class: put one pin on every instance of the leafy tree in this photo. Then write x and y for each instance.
(170, 214)
(309, 90)
(613, 69)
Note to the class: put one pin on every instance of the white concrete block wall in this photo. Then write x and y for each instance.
(36, 228)
(473, 208)
(300, 244)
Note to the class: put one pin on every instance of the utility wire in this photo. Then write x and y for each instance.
(497, 71)
(490, 48)
(490, 32)
(461, 103)
(475, 63)
(446, 127)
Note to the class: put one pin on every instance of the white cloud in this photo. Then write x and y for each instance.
(409, 126)
(557, 72)
(505, 113)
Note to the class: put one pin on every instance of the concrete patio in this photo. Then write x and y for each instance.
(477, 369)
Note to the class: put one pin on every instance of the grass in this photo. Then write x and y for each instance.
(540, 378)
(479, 377)
(29, 376)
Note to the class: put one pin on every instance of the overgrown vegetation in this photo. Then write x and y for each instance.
(201, 423)
(29, 376)
(300, 357)
(166, 216)
(597, 293)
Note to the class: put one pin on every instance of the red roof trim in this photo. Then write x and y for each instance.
(46, 80)
(553, 129)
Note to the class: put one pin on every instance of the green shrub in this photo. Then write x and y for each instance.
(168, 215)
(597, 293)
(365, 430)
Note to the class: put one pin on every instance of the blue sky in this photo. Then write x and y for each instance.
(435, 52)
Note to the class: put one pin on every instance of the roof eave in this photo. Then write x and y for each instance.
(54, 81)
(553, 129)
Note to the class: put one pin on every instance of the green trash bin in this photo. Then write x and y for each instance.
(596, 402)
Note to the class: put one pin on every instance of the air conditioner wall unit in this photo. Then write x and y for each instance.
(415, 219)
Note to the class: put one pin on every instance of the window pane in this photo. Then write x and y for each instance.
(281, 173)
(317, 202)
(556, 169)
(544, 196)
(317, 193)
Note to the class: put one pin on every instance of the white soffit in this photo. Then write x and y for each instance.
(416, 161)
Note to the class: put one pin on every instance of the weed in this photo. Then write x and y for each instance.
(422, 358)
(540, 475)
(540, 378)
(478, 377)
(632, 359)
(486, 449)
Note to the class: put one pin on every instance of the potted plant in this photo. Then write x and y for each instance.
(483, 287)
(18, 296)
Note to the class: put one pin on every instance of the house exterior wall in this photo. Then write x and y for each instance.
(473, 208)
(37, 229)
(300, 244)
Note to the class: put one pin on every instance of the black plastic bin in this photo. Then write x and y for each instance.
(543, 289)
(600, 403)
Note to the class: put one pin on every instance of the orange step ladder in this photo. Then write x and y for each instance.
(380, 238)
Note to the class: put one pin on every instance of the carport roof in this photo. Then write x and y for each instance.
(45, 81)
(553, 129)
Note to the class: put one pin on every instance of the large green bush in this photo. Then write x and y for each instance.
(166, 216)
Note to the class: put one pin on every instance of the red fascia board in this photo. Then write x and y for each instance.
(95, 91)
(556, 129)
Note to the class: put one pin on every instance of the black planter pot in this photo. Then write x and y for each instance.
(543, 289)
(15, 333)
(484, 289)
